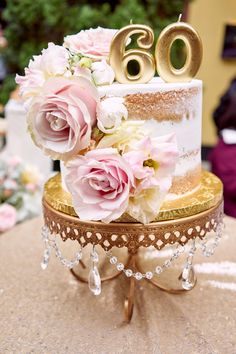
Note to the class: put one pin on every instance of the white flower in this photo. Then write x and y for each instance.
(102, 73)
(152, 161)
(110, 113)
(53, 61)
(145, 206)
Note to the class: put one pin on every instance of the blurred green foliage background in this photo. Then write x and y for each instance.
(31, 24)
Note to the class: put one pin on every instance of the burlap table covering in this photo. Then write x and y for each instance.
(49, 312)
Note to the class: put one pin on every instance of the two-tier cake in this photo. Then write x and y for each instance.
(129, 152)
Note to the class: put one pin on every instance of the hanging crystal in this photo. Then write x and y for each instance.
(188, 277)
(94, 280)
(188, 274)
(46, 257)
(94, 256)
(47, 251)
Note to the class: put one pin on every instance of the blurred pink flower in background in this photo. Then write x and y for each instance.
(14, 161)
(31, 187)
(8, 217)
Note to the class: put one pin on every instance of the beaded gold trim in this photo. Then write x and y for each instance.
(132, 235)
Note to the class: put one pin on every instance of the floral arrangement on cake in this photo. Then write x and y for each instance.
(113, 164)
(20, 196)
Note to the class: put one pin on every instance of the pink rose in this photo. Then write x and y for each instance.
(8, 217)
(52, 62)
(60, 120)
(100, 184)
(94, 43)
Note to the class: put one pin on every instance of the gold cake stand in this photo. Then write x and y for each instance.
(195, 216)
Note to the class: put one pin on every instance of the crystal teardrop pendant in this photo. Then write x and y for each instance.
(94, 281)
(188, 277)
(46, 257)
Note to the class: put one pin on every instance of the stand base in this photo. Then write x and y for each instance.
(129, 299)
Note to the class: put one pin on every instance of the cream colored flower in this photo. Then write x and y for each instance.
(110, 113)
(145, 206)
(127, 132)
(102, 73)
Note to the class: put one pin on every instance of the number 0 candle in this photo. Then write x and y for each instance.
(183, 31)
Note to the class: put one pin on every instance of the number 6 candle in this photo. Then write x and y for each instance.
(119, 58)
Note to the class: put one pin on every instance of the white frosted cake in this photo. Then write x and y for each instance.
(167, 108)
(125, 149)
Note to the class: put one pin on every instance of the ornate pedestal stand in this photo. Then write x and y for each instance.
(194, 218)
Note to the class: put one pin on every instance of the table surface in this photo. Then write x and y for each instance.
(50, 312)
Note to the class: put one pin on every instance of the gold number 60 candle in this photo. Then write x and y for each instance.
(119, 58)
(183, 31)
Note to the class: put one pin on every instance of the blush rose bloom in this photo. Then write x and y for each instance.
(153, 163)
(100, 183)
(52, 62)
(93, 43)
(8, 217)
(61, 119)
